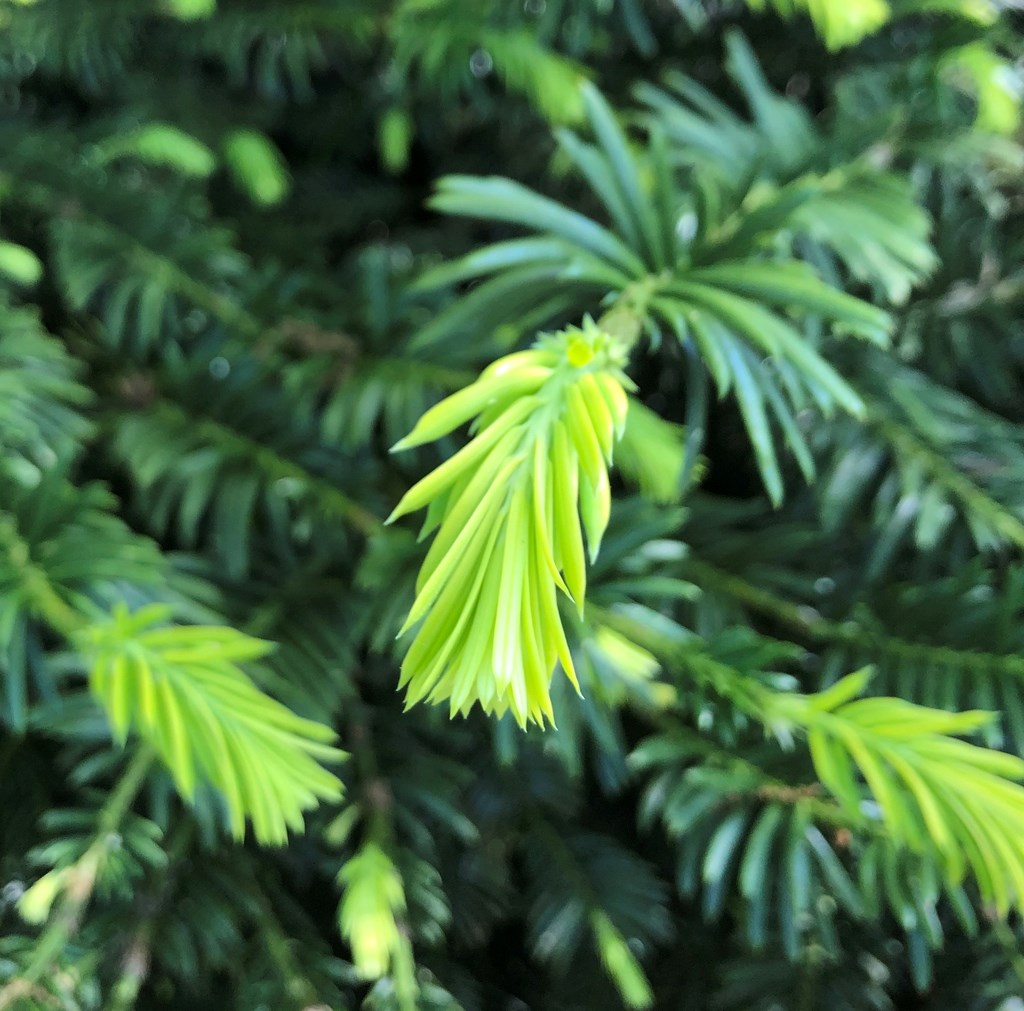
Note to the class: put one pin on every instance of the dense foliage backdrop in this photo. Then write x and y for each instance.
(245, 245)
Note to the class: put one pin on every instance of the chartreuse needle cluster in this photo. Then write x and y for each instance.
(510, 511)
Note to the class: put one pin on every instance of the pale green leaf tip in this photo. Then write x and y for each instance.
(864, 674)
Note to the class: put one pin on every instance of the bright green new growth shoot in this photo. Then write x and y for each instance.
(507, 512)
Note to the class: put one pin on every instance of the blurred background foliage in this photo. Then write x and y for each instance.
(215, 318)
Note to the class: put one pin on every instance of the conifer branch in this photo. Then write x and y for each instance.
(40, 594)
(75, 884)
(272, 464)
(621, 965)
(301, 992)
(907, 445)
(251, 310)
(807, 621)
(137, 957)
(762, 785)
(372, 910)
(507, 509)
(133, 252)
